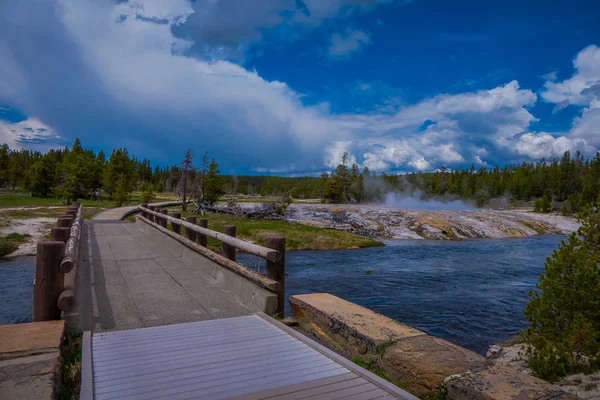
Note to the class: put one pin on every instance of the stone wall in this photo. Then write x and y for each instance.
(415, 361)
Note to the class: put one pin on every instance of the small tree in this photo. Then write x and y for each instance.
(543, 205)
(564, 313)
(147, 193)
(121, 193)
(213, 185)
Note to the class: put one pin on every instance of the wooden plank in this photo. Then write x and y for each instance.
(86, 391)
(195, 368)
(209, 375)
(299, 388)
(387, 386)
(349, 391)
(201, 351)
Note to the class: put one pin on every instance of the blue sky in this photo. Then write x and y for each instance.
(286, 86)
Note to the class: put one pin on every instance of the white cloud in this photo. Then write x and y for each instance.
(582, 87)
(115, 81)
(30, 133)
(344, 44)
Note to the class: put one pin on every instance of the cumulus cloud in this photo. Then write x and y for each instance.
(30, 133)
(581, 88)
(115, 74)
(343, 44)
(225, 29)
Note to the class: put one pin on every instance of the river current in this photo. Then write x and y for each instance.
(470, 292)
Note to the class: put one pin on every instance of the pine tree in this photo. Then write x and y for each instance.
(564, 313)
(121, 192)
(213, 185)
(43, 177)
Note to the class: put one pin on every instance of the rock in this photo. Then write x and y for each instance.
(421, 363)
(30, 360)
(500, 382)
(493, 351)
(345, 326)
(289, 321)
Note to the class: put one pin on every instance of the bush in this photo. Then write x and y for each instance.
(147, 193)
(543, 205)
(564, 313)
(121, 194)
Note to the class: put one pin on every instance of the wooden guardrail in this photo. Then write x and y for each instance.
(55, 267)
(196, 234)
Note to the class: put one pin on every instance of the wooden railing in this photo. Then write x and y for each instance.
(56, 267)
(196, 234)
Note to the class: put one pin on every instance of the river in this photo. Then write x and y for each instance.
(470, 292)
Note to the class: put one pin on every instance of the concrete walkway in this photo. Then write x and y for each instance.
(133, 276)
(116, 214)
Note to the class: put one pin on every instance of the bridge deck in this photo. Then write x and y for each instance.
(131, 279)
(251, 357)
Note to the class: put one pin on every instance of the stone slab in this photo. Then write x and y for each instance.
(32, 377)
(421, 363)
(501, 382)
(30, 359)
(355, 329)
(31, 337)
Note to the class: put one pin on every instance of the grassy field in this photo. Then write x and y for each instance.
(298, 236)
(19, 205)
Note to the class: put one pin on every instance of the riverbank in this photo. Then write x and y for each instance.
(298, 236)
(394, 223)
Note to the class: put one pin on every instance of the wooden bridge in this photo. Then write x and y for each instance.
(165, 317)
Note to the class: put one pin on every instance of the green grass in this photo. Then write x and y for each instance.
(21, 198)
(298, 236)
(70, 368)
(10, 243)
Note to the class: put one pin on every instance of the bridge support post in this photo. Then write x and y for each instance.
(228, 250)
(276, 270)
(176, 227)
(60, 234)
(151, 216)
(143, 211)
(201, 239)
(64, 222)
(48, 281)
(163, 220)
(190, 234)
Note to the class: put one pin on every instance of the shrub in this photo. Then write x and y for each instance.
(564, 313)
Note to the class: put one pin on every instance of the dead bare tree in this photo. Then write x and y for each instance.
(186, 168)
(200, 205)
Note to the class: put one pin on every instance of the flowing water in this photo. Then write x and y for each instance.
(469, 292)
(16, 289)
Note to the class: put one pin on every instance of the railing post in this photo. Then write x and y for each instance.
(151, 217)
(48, 281)
(176, 227)
(200, 238)
(276, 270)
(60, 234)
(143, 211)
(163, 220)
(190, 234)
(64, 222)
(228, 250)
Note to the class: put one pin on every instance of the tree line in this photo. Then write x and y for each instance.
(75, 173)
(567, 183)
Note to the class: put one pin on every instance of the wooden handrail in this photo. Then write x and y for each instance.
(250, 248)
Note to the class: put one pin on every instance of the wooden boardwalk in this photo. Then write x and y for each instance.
(250, 357)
